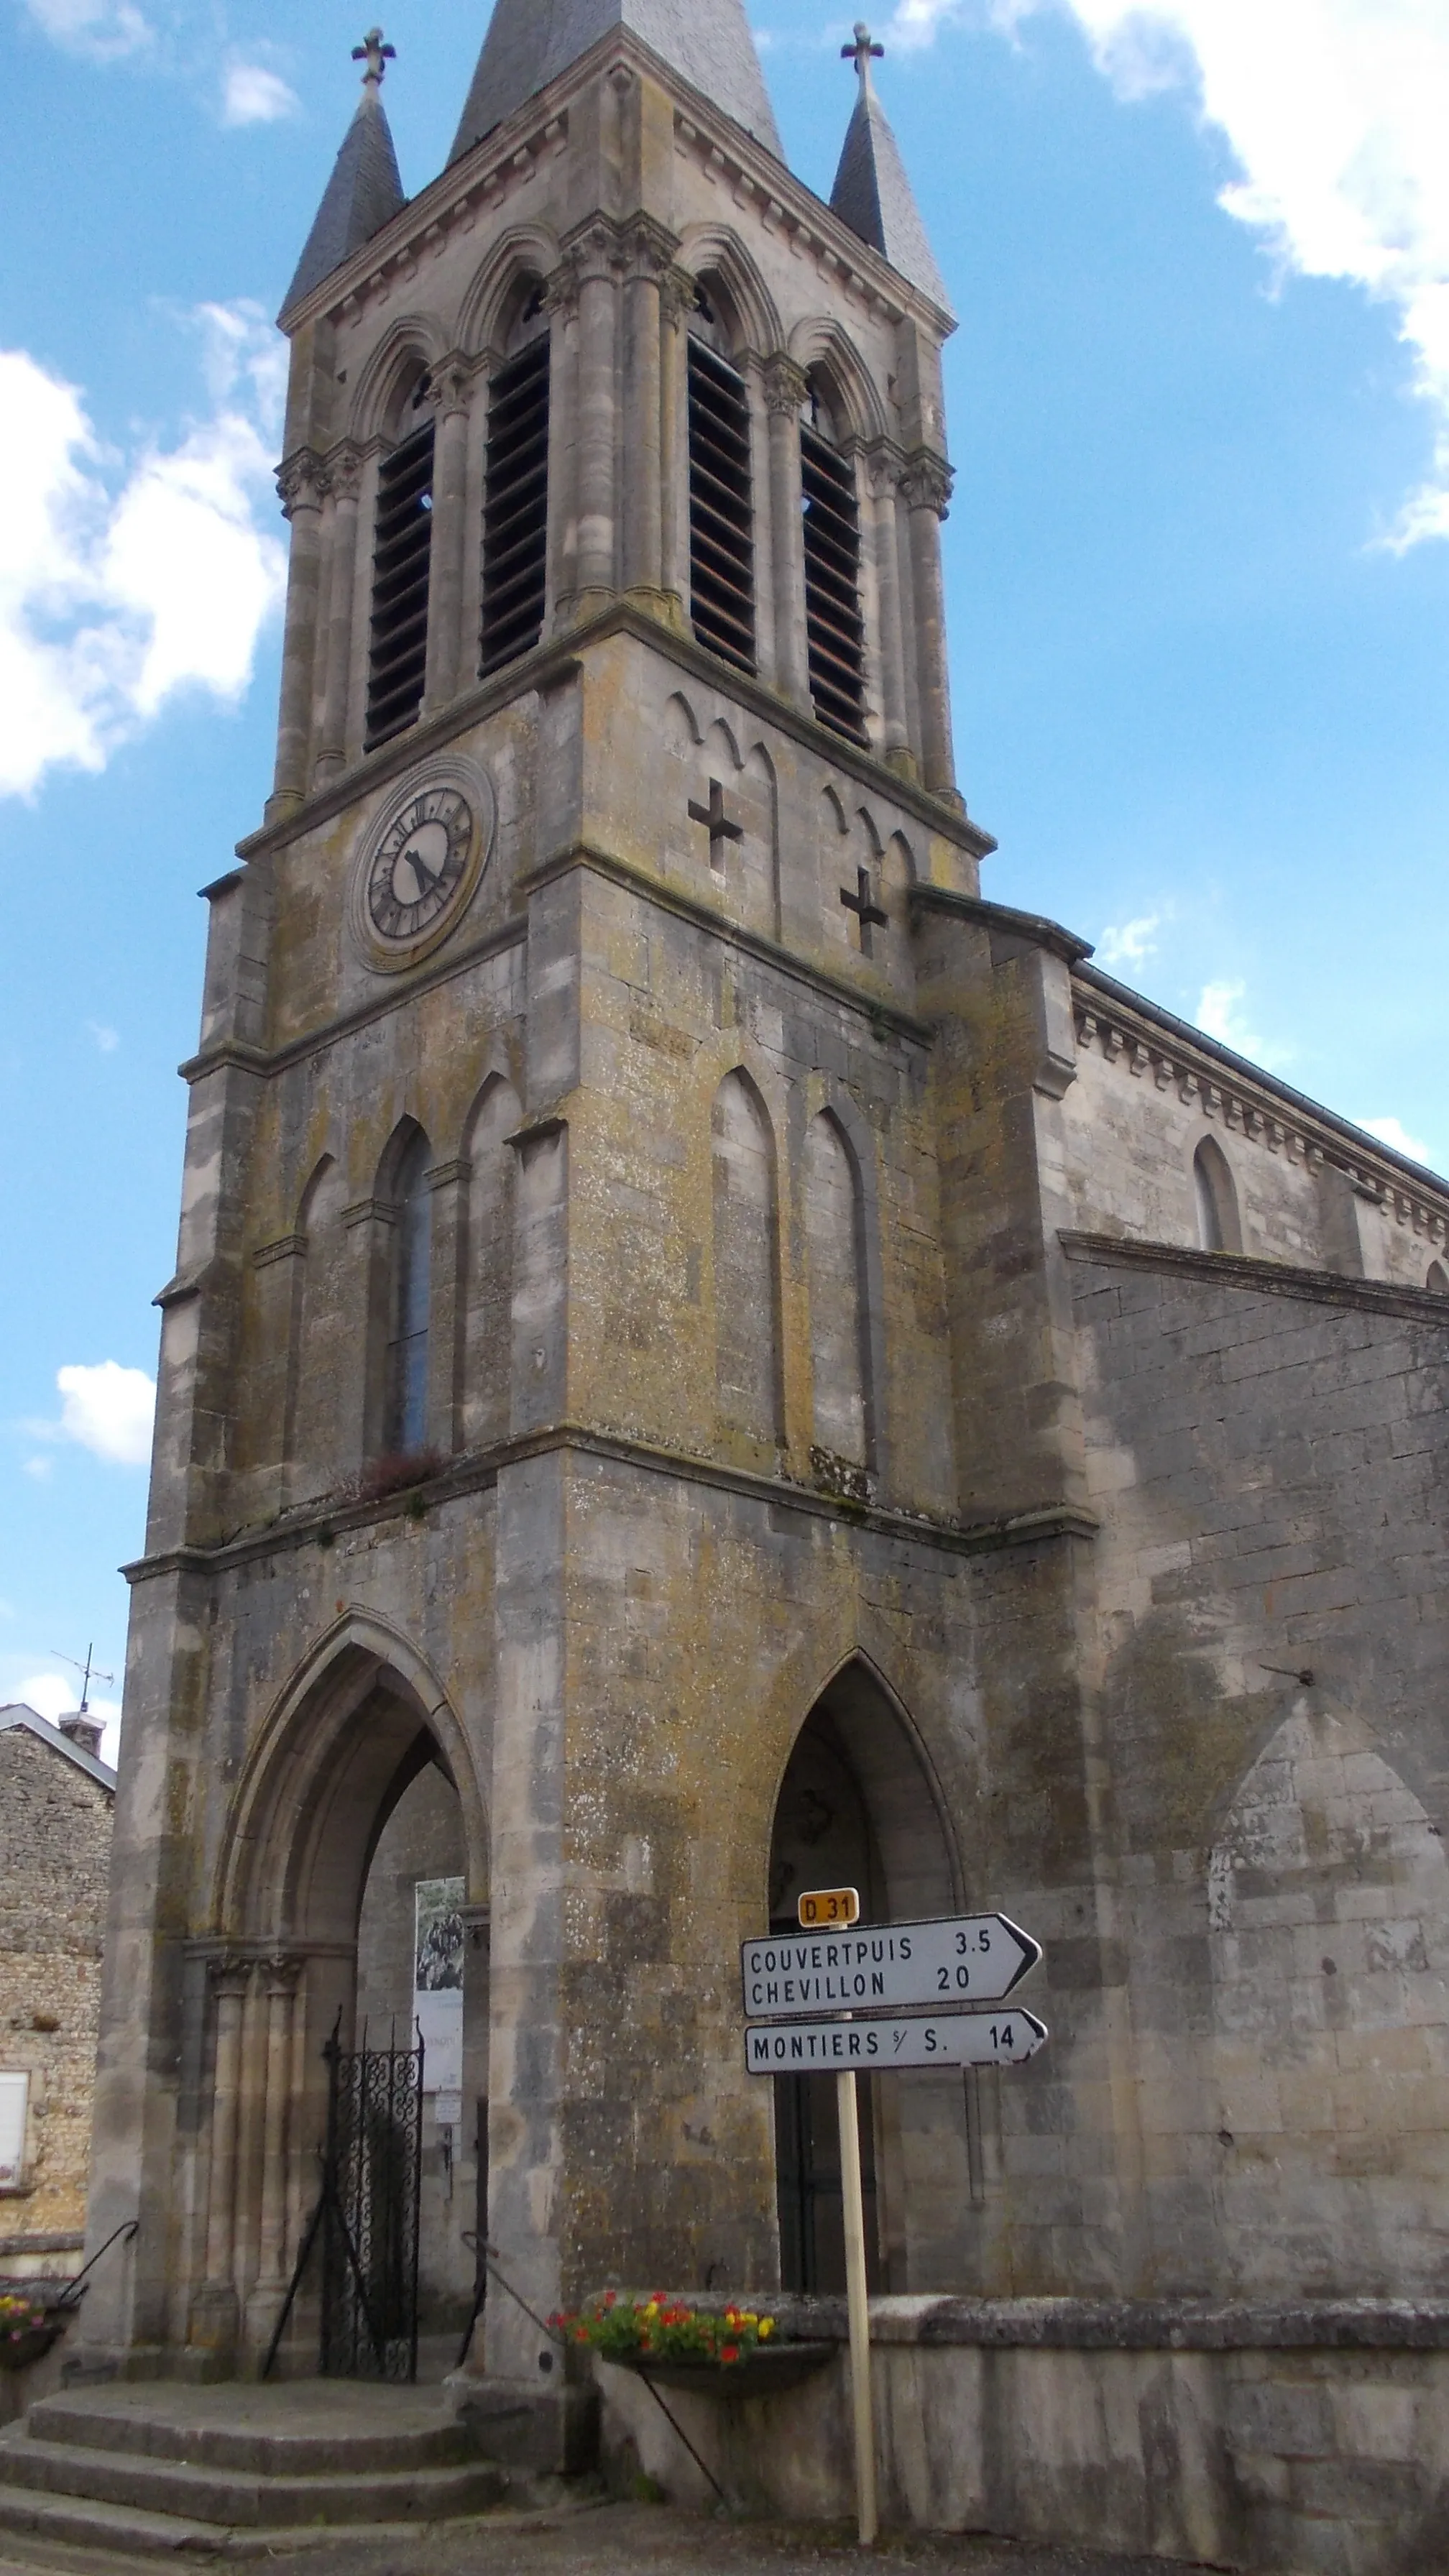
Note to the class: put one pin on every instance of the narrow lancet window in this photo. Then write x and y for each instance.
(401, 566)
(834, 1244)
(406, 1423)
(834, 628)
(1218, 1229)
(515, 503)
(721, 528)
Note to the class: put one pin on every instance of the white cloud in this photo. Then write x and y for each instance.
(251, 95)
(112, 600)
(1130, 943)
(1336, 113)
(108, 1410)
(106, 1040)
(1220, 1013)
(51, 1696)
(101, 29)
(1392, 1132)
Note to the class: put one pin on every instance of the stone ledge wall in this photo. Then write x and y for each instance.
(55, 1842)
(1310, 2458)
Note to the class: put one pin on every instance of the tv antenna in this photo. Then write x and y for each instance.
(89, 1671)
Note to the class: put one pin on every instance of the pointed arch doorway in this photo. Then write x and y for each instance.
(858, 1807)
(354, 1896)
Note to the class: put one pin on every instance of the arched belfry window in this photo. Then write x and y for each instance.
(1438, 1279)
(515, 490)
(1218, 1229)
(405, 1418)
(721, 510)
(401, 570)
(834, 627)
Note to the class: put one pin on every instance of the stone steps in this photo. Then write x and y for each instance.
(160, 2470)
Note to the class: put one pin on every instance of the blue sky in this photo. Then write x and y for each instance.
(1198, 569)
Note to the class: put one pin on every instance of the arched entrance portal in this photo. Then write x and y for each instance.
(858, 1808)
(354, 1901)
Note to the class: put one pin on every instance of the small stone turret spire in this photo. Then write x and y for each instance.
(872, 193)
(365, 190)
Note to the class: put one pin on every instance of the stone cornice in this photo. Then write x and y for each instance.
(1032, 927)
(1271, 1278)
(1145, 1038)
(481, 180)
(326, 1520)
(266, 1062)
(866, 1003)
(551, 663)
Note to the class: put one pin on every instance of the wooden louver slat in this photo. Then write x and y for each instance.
(834, 627)
(515, 508)
(401, 565)
(721, 525)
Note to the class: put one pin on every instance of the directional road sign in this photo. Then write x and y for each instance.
(1005, 2038)
(956, 1959)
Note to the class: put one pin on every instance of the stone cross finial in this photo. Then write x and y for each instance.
(376, 55)
(863, 52)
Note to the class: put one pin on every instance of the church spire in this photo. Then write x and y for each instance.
(364, 191)
(872, 193)
(529, 42)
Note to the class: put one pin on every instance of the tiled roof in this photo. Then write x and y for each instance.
(363, 193)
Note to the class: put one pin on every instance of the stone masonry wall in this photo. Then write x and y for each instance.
(55, 1841)
(1272, 1471)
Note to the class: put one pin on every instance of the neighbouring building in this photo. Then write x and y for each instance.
(56, 1802)
(707, 1356)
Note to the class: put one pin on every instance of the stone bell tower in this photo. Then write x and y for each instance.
(560, 1376)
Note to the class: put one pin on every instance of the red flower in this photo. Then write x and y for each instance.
(731, 2352)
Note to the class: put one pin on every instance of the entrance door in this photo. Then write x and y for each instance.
(370, 2243)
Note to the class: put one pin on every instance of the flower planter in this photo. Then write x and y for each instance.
(18, 2351)
(761, 2373)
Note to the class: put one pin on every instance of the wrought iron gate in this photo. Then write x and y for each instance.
(370, 2212)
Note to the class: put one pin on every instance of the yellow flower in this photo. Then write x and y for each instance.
(767, 2327)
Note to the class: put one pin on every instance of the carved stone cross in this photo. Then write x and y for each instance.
(717, 823)
(376, 55)
(863, 904)
(863, 52)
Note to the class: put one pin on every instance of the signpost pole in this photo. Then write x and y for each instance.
(858, 2304)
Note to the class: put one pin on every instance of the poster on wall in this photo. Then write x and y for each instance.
(14, 2102)
(438, 1990)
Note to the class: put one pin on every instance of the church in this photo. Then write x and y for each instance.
(707, 1358)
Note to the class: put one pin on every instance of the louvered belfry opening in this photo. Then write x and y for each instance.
(834, 628)
(401, 563)
(515, 507)
(721, 528)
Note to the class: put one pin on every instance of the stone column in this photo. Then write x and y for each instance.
(448, 1184)
(883, 470)
(214, 2311)
(678, 294)
(451, 395)
(279, 1979)
(926, 489)
(344, 474)
(596, 428)
(300, 485)
(561, 302)
(785, 391)
(649, 253)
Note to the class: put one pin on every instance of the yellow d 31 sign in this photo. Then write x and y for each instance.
(826, 1908)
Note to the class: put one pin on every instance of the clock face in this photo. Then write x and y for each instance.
(419, 865)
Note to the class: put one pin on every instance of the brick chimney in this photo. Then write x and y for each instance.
(82, 1730)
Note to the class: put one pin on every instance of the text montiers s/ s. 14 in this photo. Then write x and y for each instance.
(952, 1960)
(944, 2039)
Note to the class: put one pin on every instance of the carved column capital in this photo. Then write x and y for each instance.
(450, 385)
(300, 482)
(281, 1971)
(885, 470)
(561, 288)
(648, 249)
(344, 473)
(229, 1972)
(927, 481)
(597, 251)
(785, 384)
(678, 294)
